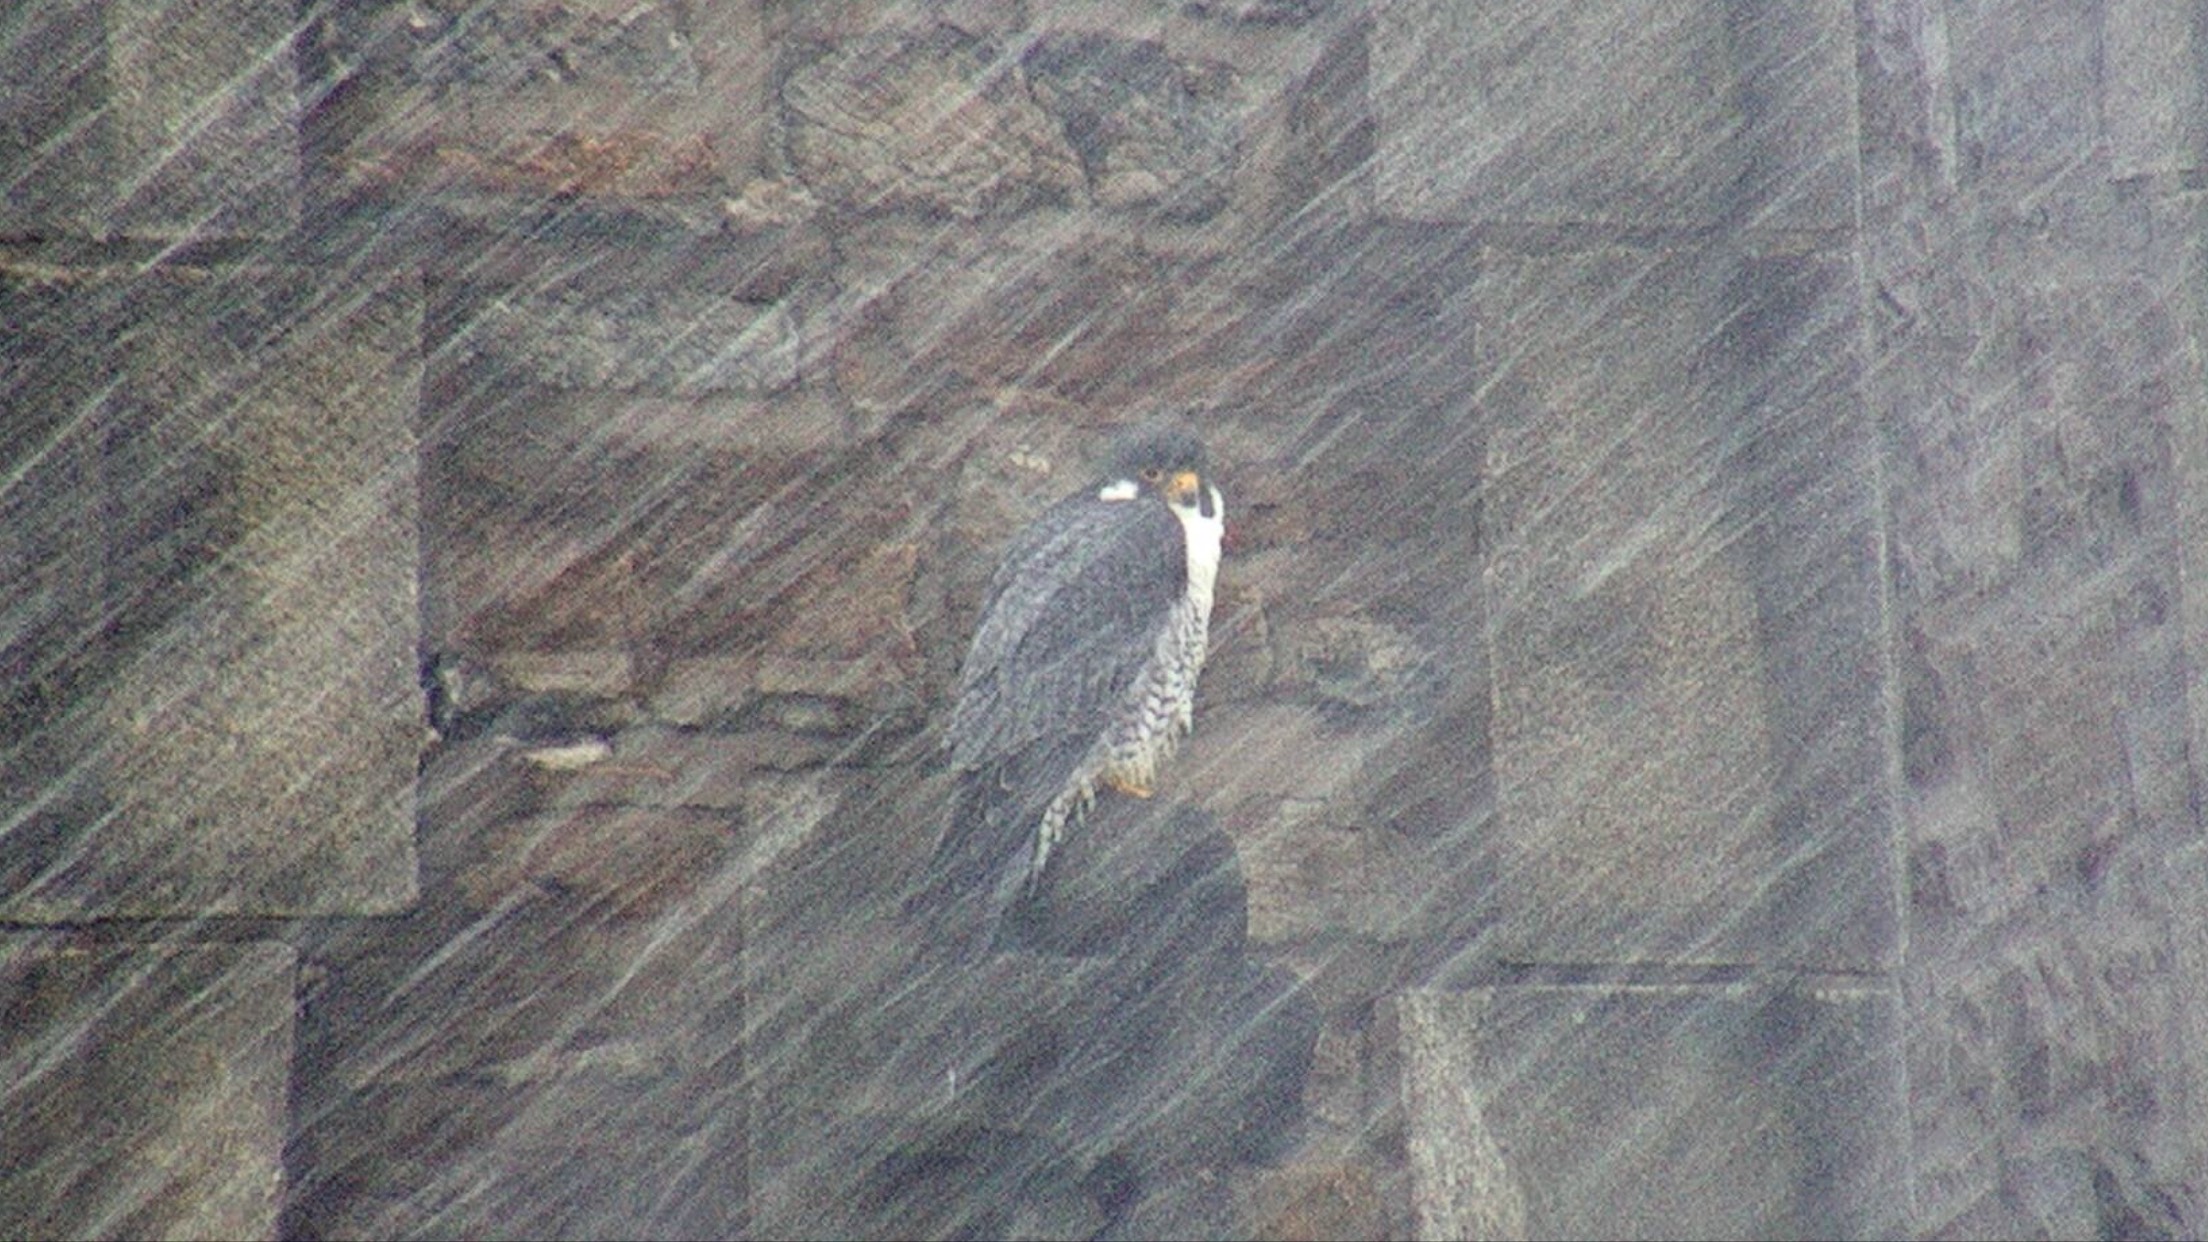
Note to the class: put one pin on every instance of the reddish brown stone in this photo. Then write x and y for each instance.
(848, 609)
(674, 768)
(147, 1087)
(553, 98)
(923, 122)
(1241, 665)
(635, 861)
(533, 586)
(733, 558)
(1317, 1201)
(1115, 321)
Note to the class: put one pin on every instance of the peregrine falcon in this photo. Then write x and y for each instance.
(1082, 672)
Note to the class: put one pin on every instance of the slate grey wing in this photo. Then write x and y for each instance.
(1071, 617)
(1070, 620)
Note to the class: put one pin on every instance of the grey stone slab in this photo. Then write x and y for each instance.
(1631, 113)
(2010, 337)
(145, 1088)
(2038, 372)
(53, 82)
(2154, 90)
(1683, 613)
(2021, 75)
(2031, 702)
(1906, 114)
(1115, 1029)
(2038, 381)
(52, 574)
(559, 1068)
(242, 735)
(2053, 1055)
(151, 120)
(2189, 457)
(526, 1058)
(1260, 12)
(1651, 1111)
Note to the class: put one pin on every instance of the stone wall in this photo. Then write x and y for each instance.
(1706, 690)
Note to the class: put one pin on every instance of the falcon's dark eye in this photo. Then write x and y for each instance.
(1152, 474)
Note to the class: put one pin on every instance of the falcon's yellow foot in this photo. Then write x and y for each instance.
(1129, 785)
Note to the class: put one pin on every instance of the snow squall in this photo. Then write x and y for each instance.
(1703, 726)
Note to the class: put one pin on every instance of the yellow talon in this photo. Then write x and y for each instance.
(1128, 785)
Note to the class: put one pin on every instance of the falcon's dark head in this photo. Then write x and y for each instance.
(1165, 462)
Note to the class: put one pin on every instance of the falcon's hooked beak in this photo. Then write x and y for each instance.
(1186, 489)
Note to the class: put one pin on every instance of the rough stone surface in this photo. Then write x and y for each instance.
(1619, 1111)
(630, 862)
(1302, 803)
(2153, 93)
(1652, 553)
(542, 97)
(543, 1045)
(1285, 11)
(1319, 1201)
(245, 738)
(2189, 462)
(554, 1075)
(936, 123)
(1637, 114)
(1151, 131)
(2040, 402)
(150, 120)
(564, 339)
(2021, 82)
(1716, 517)
(1033, 318)
(1112, 1034)
(146, 1087)
(2038, 283)
(653, 523)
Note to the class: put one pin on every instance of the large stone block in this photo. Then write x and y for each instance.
(548, 1043)
(539, 97)
(933, 123)
(2037, 371)
(1301, 800)
(2013, 335)
(598, 520)
(2053, 1080)
(1651, 1111)
(244, 714)
(2154, 89)
(146, 1088)
(1682, 611)
(150, 120)
(2038, 381)
(614, 1147)
(556, 1068)
(682, 343)
(2022, 73)
(2189, 458)
(1633, 113)
(2031, 704)
(1152, 131)
(1037, 314)
(1906, 110)
(969, 1095)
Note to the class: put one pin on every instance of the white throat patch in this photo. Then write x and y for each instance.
(1205, 534)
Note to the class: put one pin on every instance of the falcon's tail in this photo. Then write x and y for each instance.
(984, 861)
